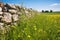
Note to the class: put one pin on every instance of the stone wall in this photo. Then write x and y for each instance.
(8, 15)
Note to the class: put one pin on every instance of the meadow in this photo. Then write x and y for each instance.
(41, 26)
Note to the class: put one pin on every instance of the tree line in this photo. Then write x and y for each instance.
(47, 11)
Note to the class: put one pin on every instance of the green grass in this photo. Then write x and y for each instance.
(39, 27)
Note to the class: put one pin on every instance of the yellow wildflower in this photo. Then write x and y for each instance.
(28, 36)
(35, 28)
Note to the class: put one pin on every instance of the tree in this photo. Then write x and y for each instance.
(51, 11)
(46, 11)
(42, 10)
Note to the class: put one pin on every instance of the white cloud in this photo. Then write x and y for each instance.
(55, 4)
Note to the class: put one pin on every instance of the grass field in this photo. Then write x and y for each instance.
(43, 26)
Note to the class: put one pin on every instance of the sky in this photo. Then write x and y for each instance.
(37, 4)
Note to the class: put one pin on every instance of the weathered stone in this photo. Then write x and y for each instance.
(15, 17)
(1, 24)
(26, 12)
(19, 13)
(1, 4)
(5, 9)
(0, 16)
(0, 9)
(9, 13)
(7, 17)
(12, 11)
(12, 6)
(1, 13)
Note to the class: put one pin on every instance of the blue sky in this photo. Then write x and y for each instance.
(37, 4)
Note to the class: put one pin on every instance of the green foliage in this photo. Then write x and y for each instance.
(38, 27)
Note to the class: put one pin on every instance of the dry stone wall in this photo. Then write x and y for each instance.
(8, 15)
